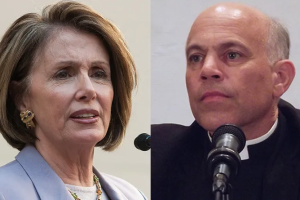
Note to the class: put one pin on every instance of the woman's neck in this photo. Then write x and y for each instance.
(73, 165)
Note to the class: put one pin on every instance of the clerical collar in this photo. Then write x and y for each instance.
(245, 154)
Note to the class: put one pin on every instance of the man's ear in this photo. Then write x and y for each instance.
(284, 73)
(21, 101)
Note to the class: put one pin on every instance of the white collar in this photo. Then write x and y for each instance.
(244, 154)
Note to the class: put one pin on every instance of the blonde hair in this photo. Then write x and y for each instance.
(28, 35)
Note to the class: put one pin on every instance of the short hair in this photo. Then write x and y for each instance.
(278, 41)
(26, 38)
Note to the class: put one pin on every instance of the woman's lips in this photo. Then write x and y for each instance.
(85, 116)
(89, 120)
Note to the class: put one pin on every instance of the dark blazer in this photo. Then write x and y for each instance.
(179, 168)
(30, 177)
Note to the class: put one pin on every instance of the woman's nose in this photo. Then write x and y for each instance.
(86, 90)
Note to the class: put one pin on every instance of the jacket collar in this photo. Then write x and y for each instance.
(46, 182)
(110, 189)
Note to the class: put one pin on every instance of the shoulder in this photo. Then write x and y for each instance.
(167, 128)
(10, 173)
(14, 182)
(165, 136)
(291, 114)
(170, 144)
(288, 109)
(162, 133)
(174, 129)
(176, 150)
(289, 127)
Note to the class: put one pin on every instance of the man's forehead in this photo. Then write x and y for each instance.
(230, 11)
(234, 13)
(233, 9)
(243, 21)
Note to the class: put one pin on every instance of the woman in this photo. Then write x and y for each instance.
(66, 80)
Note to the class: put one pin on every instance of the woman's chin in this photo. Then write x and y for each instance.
(87, 137)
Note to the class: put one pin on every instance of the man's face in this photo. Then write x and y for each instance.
(228, 76)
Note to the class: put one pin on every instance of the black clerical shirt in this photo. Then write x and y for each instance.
(272, 172)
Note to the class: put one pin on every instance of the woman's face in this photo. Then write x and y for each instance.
(71, 91)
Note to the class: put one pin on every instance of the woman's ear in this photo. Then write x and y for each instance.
(21, 101)
(284, 73)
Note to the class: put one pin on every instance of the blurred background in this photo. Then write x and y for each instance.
(133, 19)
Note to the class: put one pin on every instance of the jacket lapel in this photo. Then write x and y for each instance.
(110, 189)
(46, 182)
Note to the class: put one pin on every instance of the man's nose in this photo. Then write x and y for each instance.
(211, 68)
(86, 90)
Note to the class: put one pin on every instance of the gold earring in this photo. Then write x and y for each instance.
(26, 117)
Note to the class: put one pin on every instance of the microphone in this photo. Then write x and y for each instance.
(143, 142)
(224, 160)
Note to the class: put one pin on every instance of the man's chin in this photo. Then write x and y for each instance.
(211, 124)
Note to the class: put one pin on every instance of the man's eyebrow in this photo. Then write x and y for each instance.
(230, 44)
(224, 45)
(196, 47)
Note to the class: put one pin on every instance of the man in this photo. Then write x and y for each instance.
(237, 70)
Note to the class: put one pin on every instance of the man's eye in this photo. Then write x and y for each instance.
(195, 58)
(233, 55)
(63, 74)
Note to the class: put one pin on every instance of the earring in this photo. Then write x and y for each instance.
(26, 117)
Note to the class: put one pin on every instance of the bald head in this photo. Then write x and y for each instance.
(268, 33)
(236, 68)
(234, 11)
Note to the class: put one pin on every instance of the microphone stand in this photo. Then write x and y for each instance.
(225, 163)
(224, 159)
(221, 188)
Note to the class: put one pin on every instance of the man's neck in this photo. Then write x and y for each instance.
(260, 126)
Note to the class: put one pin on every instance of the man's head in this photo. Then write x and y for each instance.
(237, 68)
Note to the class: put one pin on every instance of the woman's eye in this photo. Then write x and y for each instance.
(63, 74)
(100, 74)
(233, 55)
(195, 58)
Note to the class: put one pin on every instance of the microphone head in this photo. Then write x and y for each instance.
(233, 130)
(142, 142)
(227, 140)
